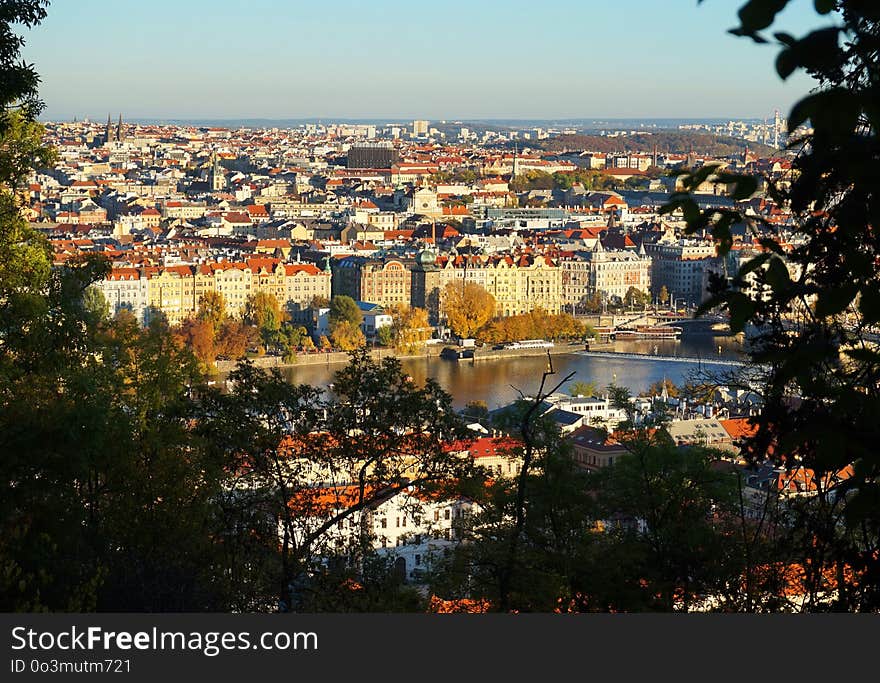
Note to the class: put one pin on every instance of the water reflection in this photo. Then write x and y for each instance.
(496, 382)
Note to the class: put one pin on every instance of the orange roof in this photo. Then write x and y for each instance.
(739, 428)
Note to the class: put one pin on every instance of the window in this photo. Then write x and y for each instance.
(418, 560)
(446, 514)
(436, 515)
(383, 523)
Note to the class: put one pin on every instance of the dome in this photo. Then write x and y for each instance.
(427, 258)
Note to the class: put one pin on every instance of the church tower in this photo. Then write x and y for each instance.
(119, 136)
(108, 133)
(215, 174)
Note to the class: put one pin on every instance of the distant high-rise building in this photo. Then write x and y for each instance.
(420, 128)
(381, 154)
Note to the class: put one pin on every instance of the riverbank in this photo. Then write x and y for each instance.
(485, 353)
(323, 358)
(429, 352)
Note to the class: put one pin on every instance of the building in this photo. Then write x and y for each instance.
(380, 154)
(679, 265)
(383, 281)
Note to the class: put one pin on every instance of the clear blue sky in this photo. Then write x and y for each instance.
(414, 59)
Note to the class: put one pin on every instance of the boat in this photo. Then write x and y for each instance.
(648, 332)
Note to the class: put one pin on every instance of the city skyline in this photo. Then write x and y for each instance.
(404, 61)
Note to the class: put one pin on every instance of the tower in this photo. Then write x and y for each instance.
(776, 126)
(215, 175)
(108, 132)
(119, 136)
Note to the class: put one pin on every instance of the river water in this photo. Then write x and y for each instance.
(493, 381)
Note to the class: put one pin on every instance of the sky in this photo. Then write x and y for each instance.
(474, 59)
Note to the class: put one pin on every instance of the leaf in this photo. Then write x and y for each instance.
(745, 187)
(864, 355)
(752, 264)
(756, 15)
(741, 309)
(817, 51)
(777, 275)
(834, 300)
(869, 305)
(834, 111)
(825, 6)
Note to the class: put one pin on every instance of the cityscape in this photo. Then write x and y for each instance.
(477, 364)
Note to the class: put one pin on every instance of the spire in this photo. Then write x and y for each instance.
(119, 129)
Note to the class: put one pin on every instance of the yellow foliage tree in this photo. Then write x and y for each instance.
(347, 337)
(467, 308)
(410, 328)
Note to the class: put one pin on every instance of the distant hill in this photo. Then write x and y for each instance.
(671, 141)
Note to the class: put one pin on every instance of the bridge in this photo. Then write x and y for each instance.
(674, 359)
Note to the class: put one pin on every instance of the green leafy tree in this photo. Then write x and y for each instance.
(385, 336)
(379, 434)
(813, 306)
(344, 309)
(95, 304)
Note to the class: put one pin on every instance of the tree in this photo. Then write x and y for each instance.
(234, 338)
(657, 388)
(663, 295)
(477, 409)
(344, 309)
(467, 307)
(410, 328)
(263, 311)
(347, 337)
(385, 335)
(636, 297)
(212, 309)
(95, 304)
(378, 435)
(198, 335)
(673, 517)
(582, 388)
(813, 305)
(18, 92)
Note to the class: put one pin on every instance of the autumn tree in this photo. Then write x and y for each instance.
(347, 337)
(663, 295)
(581, 388)
(467, 307)
(198, 335)
(212, 309)
(263, 311)
(410, 328)
(234, 338)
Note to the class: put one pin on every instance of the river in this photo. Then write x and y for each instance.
(494, 381)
